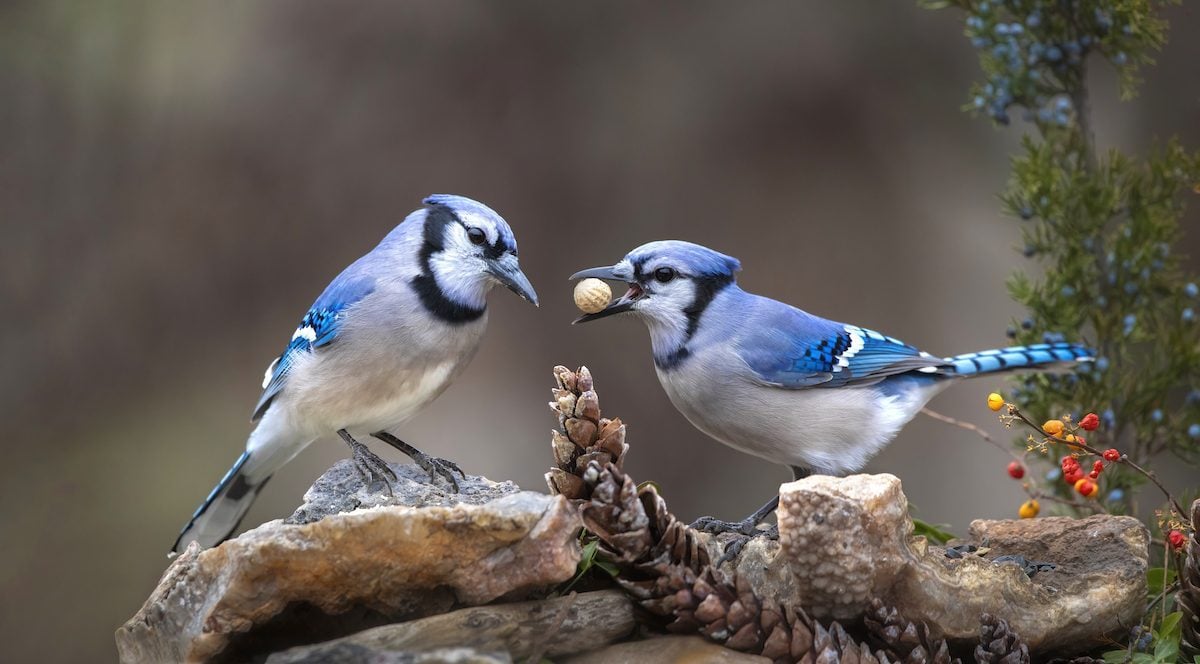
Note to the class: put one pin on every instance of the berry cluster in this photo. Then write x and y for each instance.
(1031, 56)
(1071, 472)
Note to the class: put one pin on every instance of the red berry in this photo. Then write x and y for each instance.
(1177, 539)
(1089, 422)
(1085, 487)
(1095, 474)
(1016, 470)
(1080, 439)
(1072, 476)
(1098, 466)
(1111, 454)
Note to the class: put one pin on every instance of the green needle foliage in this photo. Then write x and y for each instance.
(1103, 227)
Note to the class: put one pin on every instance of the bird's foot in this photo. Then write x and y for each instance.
(371, 468)
(436, 466)
(743, 531)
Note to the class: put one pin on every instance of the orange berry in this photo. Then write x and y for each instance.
(1029, 509)
(995, 401)
(1053, 427)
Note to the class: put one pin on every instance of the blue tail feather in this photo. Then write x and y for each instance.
(1017, 357)
(234, 493)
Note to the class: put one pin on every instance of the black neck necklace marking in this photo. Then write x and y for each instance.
(425, 285)
(707, 288)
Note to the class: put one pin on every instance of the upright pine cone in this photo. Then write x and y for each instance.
(582, 435)
(905, 640)
(1189, 591)
(999, 644)
(665, 565)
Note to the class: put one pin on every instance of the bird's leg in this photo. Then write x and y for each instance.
(747, 528)
(432, 465)
(370, 466)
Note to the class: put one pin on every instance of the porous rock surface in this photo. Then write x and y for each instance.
(324, 574)
(845, 540)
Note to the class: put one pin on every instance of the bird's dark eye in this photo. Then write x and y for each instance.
(664, 274)
(476, 236)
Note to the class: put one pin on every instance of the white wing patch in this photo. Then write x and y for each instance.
(307, 333)
(857, 341)
(270, 372)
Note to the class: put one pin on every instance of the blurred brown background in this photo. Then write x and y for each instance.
(179, 180)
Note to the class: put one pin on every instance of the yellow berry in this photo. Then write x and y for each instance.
(592, 295)
(1054, 428)
(995, 401)
(1029, 509)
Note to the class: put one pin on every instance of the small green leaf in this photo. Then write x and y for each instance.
(612, 569)
(1156, 578)
(1116, 656)
(1166, 639)
(588, 556)
(934, 533)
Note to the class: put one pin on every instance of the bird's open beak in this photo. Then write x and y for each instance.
(507, 271)
(618, 306)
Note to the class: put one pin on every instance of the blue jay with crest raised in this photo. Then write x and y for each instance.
(386, 337)
(771, 380)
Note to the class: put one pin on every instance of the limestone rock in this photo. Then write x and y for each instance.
(315, 581)
(845, 540)
(340, 489)
(353, 653)
(520, 630)
(667, 650)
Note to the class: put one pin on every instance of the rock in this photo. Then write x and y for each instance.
(667, 650)
(843, 541)
(284, 584)
(341, 489)
(353, 653)
(522, 630)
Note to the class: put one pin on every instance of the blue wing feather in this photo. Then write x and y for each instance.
(317, 329)
(796, 350)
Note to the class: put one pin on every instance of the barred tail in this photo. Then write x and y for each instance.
(219, 515)
(1036, 356)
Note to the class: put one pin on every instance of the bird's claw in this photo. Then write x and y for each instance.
(744, 531)
(734, 547)
(371, 468)
(716, 526)
(436, 466)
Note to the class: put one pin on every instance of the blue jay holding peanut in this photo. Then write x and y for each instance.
(768, 379)
(385, 338)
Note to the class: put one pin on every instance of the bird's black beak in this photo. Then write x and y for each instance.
(618, 306)
(507, 271)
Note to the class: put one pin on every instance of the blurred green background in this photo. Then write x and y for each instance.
(179, 180)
